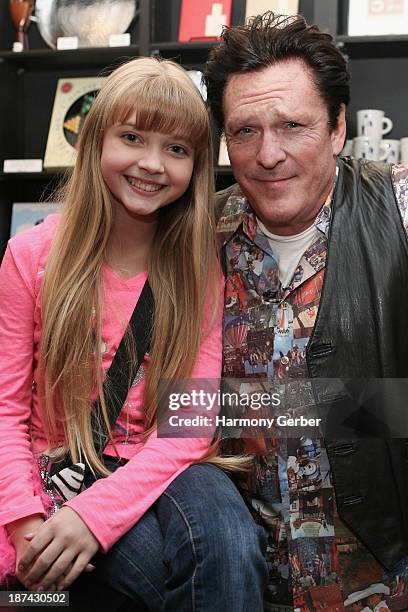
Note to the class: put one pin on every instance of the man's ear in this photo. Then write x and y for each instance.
(338, 135)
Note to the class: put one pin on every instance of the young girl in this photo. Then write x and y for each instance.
(138, 205)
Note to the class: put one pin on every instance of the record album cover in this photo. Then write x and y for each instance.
(73, 99)
(204, 19)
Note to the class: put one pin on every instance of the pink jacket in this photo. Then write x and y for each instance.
(152, 465)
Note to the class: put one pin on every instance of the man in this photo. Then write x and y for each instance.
(328, 300)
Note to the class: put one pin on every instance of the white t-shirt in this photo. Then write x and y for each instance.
(288, 250)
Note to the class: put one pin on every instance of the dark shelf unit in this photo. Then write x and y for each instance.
(191, 47)
(372, 47)
(378, 65)
(30, 176)
(190, 55)
(223, 170)
(51, 59)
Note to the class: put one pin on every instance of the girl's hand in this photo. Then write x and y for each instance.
(54, 587)
(17, 531)
(59, 551)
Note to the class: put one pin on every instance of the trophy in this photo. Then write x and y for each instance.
(20, 11)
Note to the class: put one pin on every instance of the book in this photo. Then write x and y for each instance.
(204, 19)
(29, 214)
(377, 17)
(281, 7)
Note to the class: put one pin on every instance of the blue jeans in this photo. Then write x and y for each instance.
(197, 549)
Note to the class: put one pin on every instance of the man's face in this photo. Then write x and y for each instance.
(281, 150)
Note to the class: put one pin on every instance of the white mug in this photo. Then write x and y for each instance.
(404, 150)
(347, 149)
(368, 148)
(372, 123)
(391, 149)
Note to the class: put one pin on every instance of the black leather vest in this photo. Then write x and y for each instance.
(361, 332)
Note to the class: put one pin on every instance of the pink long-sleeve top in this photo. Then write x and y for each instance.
(114, 504)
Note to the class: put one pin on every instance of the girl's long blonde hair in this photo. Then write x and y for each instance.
(183, 266)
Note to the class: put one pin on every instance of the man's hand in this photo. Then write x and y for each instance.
(58, 553)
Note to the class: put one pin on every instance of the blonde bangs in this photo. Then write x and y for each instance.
(165, 104)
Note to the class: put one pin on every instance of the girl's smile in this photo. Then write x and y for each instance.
(145, 186)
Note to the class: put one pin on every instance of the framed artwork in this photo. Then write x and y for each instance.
(29, 214)
(72, 102)
(204, 19)
(377, 17)
(282, 7)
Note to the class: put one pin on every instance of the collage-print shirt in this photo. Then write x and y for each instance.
(314, 561)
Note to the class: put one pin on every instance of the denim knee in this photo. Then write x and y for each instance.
(213, 548)
(219, 520)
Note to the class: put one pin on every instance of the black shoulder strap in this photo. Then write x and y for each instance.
(123, 370)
